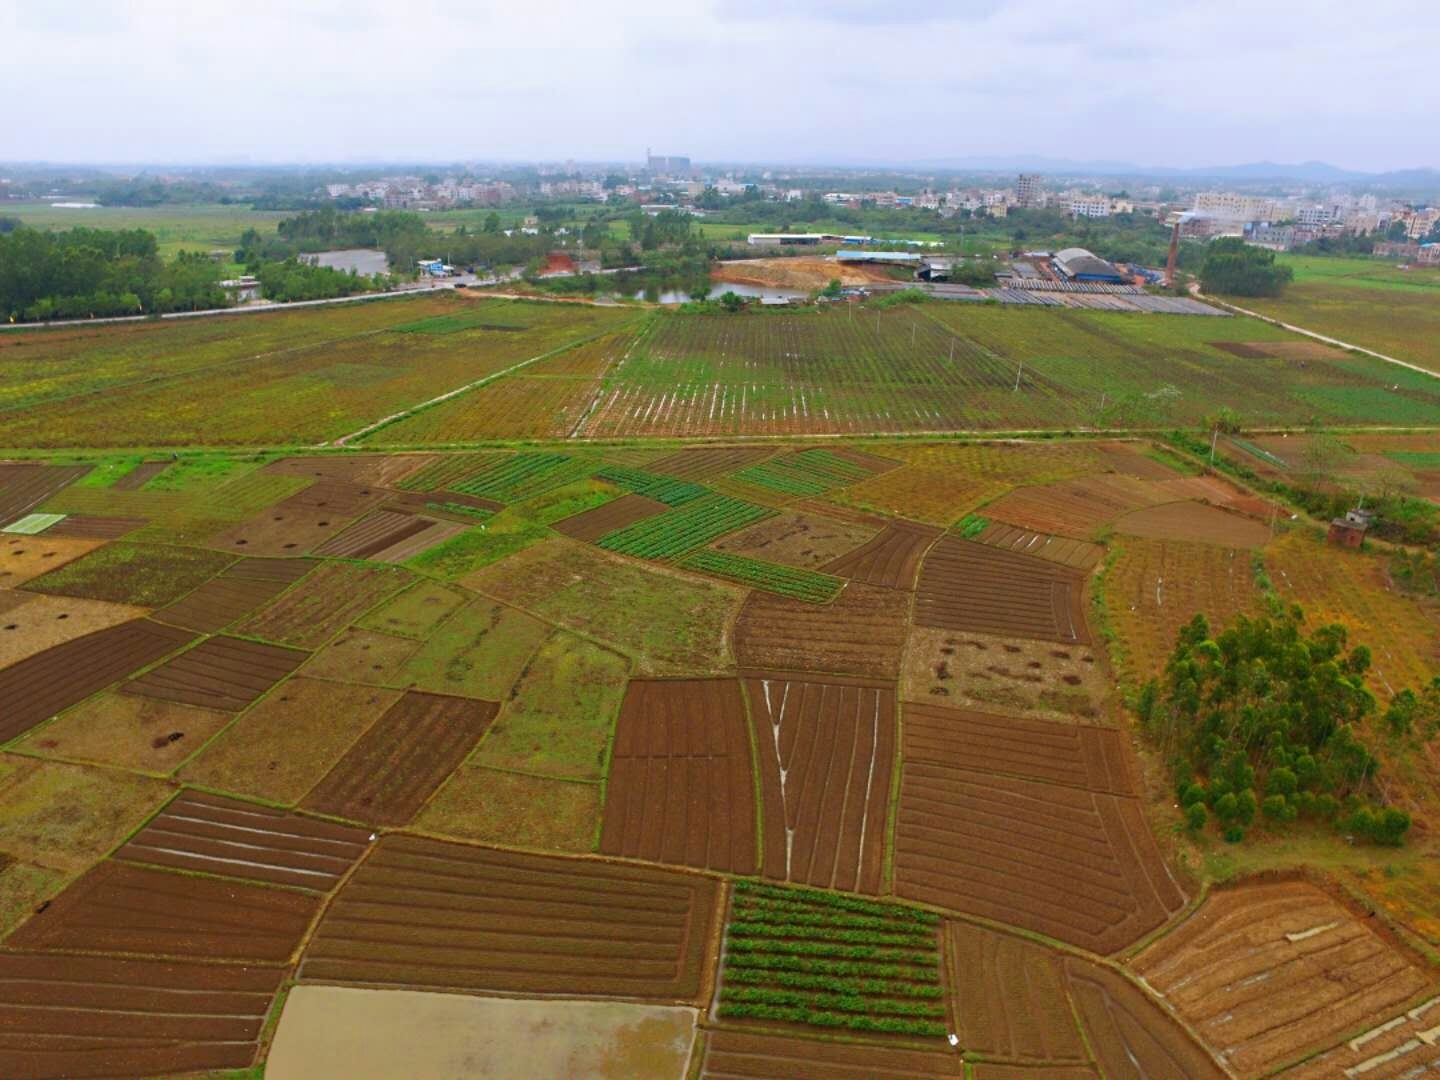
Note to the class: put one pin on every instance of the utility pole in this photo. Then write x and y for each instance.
(1214, 437)
(952, 350)
(1017, 375)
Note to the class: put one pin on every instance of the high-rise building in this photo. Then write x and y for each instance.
(1027, 190)
(667, 164)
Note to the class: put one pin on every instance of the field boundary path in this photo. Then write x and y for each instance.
(1195, 291)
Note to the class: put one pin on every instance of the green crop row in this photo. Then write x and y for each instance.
(795, 980)
(808, 472)
(790, 915)
(807, 585)
(480, 318)
(683, 528)
(446, 471)
(811, 999)
(854, 969)
(513, 478)
(778, 895)
(665, 489)
(911, 939)
(972, 525)
(890, 1024)
(768, 946)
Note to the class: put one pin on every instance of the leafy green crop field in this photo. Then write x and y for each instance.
(807, 585)
(196, 227)
(684, 528)
(1398, 320)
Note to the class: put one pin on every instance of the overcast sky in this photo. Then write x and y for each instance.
(1161, 82)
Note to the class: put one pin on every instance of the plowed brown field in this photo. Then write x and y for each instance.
(826, 753)
(382, 470)
(25, 486)
(30, 624)
(214, 835)
(1076, 554)
(1195, 522)
(1268, 972)
(374, 533)
(806, 540)
(965, 586)
(1075, 508)
(297, 524)
(396, 765)
(420, 914)
(42, 685)
(91, 527)
(23, 558)
(121, 908)
(325, 602)
(745, 1056)
(237, 591)
(682, 787)
(1076, 865)
(83, 1016)
(861, 632)
(626, 510)
(891, 558)
(1077, 755)
(222, 673)
(1009, 997)
(1131, 1035)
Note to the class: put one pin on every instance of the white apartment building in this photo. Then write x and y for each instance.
(1234, 207)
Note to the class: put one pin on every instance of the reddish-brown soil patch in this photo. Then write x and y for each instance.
(375, 532)
(826, 753)
(427, 502)
(388, 774)
(1246, 350)
(682, 787)
(514, 923)
(328, 600)
(24, 487)
(88, 527)
(135, 479)
(25, 557)
(237, 591)
(222, 673)
(626, 510)
(701, 463)
(890, 559)
(1009, 997)
(871, 463)
(379, 470)
(764, 1057)
(1077, 865)
(1217, 491)
(1131, 1035)
(1078, 755)
(1195, 521)
(965, 586)
(40, 686)
(305, 520)
(1402, 1045)
(860, 632)
(1270, 971)
(1130, 460)
(215, 835)
(435, 532)
(1075, 508)
(1076, 554)
(134, 909)
(90, 1016)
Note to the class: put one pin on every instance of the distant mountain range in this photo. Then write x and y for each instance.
(1319, 172)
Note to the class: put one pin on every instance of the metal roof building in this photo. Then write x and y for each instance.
(1077, 264)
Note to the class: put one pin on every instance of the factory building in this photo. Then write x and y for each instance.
(1077, 264)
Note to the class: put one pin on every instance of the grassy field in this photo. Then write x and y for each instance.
(199, 227)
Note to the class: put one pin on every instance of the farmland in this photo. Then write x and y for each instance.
(803, 757)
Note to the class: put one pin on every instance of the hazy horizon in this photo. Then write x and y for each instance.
(851, 83)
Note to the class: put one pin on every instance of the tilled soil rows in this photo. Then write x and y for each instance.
(122, 908)
(682, 787)
(420, 914)
(374, 533)
(325, 602)
(382, 470)
(91, 1016)
(890, 559)
(388, 774)
(42, 685)
(1077, 755)
(603, 520)
(94, 527)
(222, 673)
(966, 586)
(24, 487)
(1075, 508)
(1130, 1034)
(215, 835)
(1009, 997)
(1195, 521)
(861, 632)
(826, 753)
(764, 1057)
(235, 592)
(301, 522)
(703, 463)
(1076, 865)
(1266, 972)
(1076, 554)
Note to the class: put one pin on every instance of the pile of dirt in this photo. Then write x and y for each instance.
(809, 272)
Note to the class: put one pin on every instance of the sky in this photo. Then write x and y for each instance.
(1180, 83)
